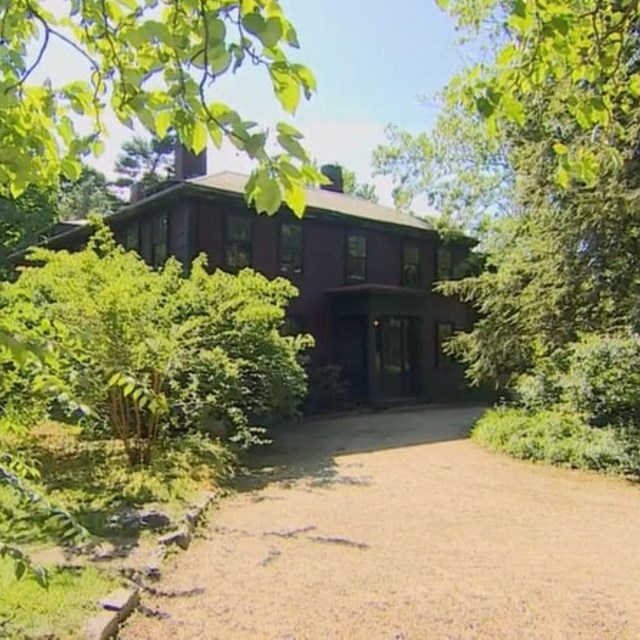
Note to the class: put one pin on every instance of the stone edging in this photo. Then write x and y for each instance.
(120, 604)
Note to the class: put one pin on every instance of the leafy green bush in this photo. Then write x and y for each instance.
(328, 391)
(603, 379)
(556, 437)
(142, 350)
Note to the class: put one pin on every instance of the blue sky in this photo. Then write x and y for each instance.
(373, 59)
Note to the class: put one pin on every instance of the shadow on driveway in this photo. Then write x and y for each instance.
(308, 449)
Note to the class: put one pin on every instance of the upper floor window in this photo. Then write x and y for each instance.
(444, 263)
(238, 242)
(444, 331)
(356, 257)
(291, 248)
(159, 239)
(410, 265)
(131, 240)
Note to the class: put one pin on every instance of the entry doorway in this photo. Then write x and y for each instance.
(397, 352)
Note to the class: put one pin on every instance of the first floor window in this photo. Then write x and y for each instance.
(444, 331)
(356, 257)
(159, 239)
(411, 265)
(238, 242)
(293, 325)
(291, 248)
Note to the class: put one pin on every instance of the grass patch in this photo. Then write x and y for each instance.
(556, 437)
(61, 611)
(94, 482)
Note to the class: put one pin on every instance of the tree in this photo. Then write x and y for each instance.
(153, 66)
(354, 188)
(24, 219)
(145, 161)
(463, 172)
(88, 194)
(566, 112)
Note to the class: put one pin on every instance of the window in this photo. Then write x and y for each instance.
(291, 248)
(444, 331)
(238, 245)
(293, 326)
(444, 263)
(410, 265)
(356, 257)
(132, 236)
(159, 239)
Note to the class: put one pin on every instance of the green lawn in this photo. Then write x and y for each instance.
(61, 611)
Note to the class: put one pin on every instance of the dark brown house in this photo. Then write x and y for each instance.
(365, 274)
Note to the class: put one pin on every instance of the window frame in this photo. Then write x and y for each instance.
(443, 360)
(131, 227)
(228, 241)
(295, 248)
(418, 265)
(293, 325)
(441, 273)
(161, 239)
(349, 277)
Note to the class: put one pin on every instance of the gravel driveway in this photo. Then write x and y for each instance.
(394, 526)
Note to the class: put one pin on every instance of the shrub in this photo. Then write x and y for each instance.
(603, 379)
(556, 437)
(328, 391)
(144, 350)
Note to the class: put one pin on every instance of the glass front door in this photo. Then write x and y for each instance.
(397, 356)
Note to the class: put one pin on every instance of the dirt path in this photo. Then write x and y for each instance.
(393, 526)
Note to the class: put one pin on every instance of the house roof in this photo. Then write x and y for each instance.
(322, 199)
(231, 183)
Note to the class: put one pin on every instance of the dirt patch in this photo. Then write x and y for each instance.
(396, 526)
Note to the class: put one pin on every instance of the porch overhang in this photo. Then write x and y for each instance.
(374, 300)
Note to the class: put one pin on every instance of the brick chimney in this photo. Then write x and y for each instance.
(188, 164)
(334, 173)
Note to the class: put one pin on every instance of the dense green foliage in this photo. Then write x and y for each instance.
(556, 437)
(151, 63)
(141, 350)
(580, 407)
(61, 611)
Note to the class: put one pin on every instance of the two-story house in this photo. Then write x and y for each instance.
(365, 272)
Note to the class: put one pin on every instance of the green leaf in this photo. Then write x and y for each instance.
(199, 139)
(71, 168)
(560, 149)
(286, 88)
(287, 130)
(266, 194)
(162, 123)
(293, 147)
(634, 84)
(295, 198)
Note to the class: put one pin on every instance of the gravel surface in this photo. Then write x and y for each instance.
(395, 526)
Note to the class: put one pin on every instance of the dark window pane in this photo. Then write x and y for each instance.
(356, 257)
(444, 331)
(238, 255)
(444, 264)
(132, 235)
(293, 326)
(291, 248)
(159, 239)
(357, 246)
(411, 265)
(239, 228)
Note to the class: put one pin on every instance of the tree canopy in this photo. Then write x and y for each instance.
(542, 135)
(155, 64)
